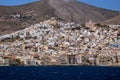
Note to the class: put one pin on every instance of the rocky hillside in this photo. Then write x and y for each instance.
(115, 20)
(18, 17)
(71, 10)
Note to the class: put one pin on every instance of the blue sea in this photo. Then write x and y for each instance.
(59, 73)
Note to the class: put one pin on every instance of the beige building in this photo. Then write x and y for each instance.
(91, 24)
(105, 60)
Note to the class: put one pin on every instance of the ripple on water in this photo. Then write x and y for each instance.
(60, 73)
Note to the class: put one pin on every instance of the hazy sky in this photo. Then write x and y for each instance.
(109, 4)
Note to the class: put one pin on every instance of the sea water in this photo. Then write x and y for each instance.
(59, 73)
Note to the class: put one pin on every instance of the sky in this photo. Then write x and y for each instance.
(108, 4)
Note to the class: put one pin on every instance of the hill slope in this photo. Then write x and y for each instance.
(80, 12)
(18, 17)
(115, 20)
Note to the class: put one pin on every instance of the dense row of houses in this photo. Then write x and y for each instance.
(56, 43)
(73, 59)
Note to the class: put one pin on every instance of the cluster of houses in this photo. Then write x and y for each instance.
(53, 42)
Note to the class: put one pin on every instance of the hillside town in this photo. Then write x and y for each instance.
(54, 42)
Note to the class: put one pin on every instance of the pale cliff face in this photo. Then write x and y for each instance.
(62, 0)
(61, 8)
